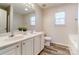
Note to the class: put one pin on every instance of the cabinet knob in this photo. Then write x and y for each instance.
(17, 46)
(23, 43)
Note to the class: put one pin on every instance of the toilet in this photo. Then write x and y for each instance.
(47, 40)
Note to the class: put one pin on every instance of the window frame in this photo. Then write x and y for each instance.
(31, 21)
(60, 18)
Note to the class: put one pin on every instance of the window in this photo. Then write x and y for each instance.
(60, 18)
(32, 20)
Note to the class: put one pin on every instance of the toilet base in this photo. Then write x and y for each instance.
(47, 43)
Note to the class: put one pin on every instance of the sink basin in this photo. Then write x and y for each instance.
(16, 36)
(6, 38)
(19, 36)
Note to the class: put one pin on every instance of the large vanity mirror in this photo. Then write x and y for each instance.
(3, 20)
(16, 15)
(23, 16)
(4, 17)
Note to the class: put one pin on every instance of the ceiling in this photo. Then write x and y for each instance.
(20, 7)
(17, 7)
(47, 5)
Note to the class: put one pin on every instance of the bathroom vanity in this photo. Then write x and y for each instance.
(27, 44)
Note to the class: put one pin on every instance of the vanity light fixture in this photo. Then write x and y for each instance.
(30, 5)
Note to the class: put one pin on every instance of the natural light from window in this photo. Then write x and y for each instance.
(60, 18)
(32, 20)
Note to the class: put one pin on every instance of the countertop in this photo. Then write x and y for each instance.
(6, 40)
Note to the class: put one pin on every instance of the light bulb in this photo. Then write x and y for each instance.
(26, 9)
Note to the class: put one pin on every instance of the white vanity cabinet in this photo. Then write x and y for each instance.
(27, 47)
(11, 50)
(42, 42)
(37, 45)
(33, 46)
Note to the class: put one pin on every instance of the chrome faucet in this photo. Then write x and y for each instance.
(12, 35)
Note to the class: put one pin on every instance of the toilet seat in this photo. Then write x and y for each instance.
(47, 41)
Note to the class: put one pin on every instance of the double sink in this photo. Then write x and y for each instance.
(7, 40)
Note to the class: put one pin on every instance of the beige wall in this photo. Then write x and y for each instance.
(38, 13)
(60, 34)
(78, 18)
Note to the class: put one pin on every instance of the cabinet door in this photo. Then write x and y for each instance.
(27, 47)
(37, 45)
(11, 50)
(42, 41)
